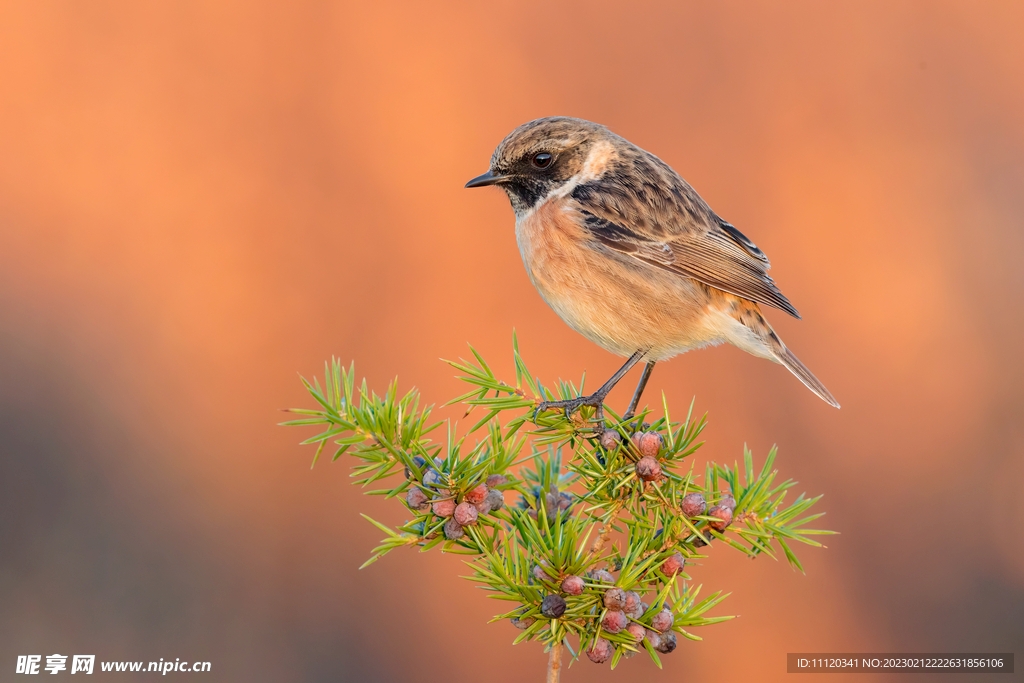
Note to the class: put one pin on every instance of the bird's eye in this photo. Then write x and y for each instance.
(542, 160)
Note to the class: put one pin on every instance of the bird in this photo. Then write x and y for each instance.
(630, 256)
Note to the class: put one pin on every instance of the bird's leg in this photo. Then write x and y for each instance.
(639, 391)
(595, 400)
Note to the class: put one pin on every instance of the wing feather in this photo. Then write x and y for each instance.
(667, 225)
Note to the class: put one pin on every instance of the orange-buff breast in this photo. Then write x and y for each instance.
(610, 298)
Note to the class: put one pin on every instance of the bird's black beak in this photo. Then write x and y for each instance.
(486, 179)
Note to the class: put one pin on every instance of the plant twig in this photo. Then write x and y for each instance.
(555, 663)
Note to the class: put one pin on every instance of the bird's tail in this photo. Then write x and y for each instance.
(750, 317)
(786, 357)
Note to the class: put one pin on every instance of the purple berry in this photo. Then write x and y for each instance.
(635, 439)
(477, 494)
(495, 500)
(648, 469)
(453, 530)
(694, 504)
(602, 576)
(465, 514)
(564, 500)
(419, 462)
(431, 477)
(728, 502)
(523, 624)
(632, 604)
(573, 585)
(496, 480)
(615, 598)
(650, 444)
(535, 496)
(673, 565)
(417, 500)
(637, 631)
(552, 606)
(654, 638)
(542, 571)
(614, 621)
(600, 651)
(662, 621)
(666, 643)
(723, 515)
(444, 508)
(610, 439)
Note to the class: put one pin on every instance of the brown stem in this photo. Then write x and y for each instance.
(599, 542)
(555, 662)
(606, 531)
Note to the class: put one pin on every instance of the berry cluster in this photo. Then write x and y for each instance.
(550, 500)
(625, 611)
(612, 609)
(458, 508)
(694, 504)
(648, 445)
(615, 616)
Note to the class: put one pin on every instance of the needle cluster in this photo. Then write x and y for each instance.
(610, 518)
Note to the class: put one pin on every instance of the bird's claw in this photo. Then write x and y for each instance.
(570, 406)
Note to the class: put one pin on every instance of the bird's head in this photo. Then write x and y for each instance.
(543, 156)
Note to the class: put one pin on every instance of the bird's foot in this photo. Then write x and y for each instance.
(571, 405)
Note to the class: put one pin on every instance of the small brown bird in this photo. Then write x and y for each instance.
(630, 256)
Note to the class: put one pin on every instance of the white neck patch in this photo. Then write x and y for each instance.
(593, 168)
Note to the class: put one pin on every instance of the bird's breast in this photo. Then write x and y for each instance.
(551, 244)
(611, 299)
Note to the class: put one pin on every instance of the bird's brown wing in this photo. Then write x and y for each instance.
(653, 215)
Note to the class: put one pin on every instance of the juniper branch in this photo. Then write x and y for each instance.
(587, 506)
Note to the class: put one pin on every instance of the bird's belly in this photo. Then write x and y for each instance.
(611, 299)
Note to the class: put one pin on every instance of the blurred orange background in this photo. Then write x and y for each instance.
(200, 200)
